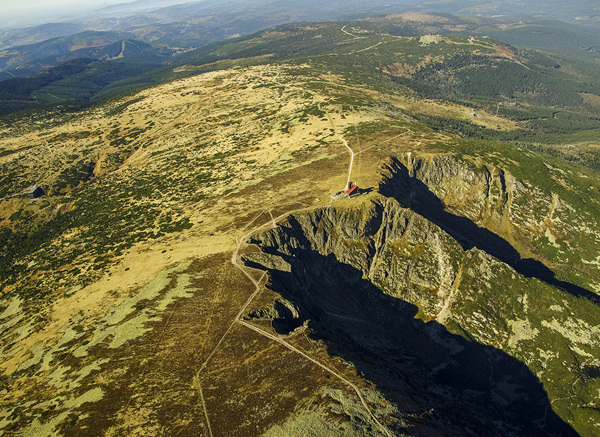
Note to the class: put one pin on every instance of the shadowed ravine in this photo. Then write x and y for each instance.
(413, 194)
(325, 265)
(467, 388)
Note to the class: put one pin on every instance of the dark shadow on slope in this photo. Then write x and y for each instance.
(467, 388)
(411, 193)
(361, 191)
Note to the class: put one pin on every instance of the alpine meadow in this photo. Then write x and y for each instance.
(253, 218)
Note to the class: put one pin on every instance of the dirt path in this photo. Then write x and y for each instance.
(161, 130)
(369, 48)
(343, 29)
(383, 142)
(249, 230)
(14, 195)
(351, 158)
(236, 261)
(324, 367)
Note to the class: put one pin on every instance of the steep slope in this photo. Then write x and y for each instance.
(358, 276)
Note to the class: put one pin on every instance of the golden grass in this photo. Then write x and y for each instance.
(259, 128)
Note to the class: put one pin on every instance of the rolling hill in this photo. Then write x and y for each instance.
(190, 269)
(23, 61)
(538, 73)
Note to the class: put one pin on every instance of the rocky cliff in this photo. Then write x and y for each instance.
(441, 312)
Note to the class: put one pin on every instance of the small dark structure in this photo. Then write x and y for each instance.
(35, 192)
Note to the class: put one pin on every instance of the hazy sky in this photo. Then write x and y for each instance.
(18, 12)
(12, 6)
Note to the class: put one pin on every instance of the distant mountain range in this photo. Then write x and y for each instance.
(140, 37)
(210, 20)
(22, 61)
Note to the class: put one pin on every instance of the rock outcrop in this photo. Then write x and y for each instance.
(430, 305)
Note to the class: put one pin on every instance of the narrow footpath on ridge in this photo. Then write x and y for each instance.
(343, 29)
(351, 158)
(236, 261)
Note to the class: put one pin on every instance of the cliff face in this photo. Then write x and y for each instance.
(549, 215)
(437, 310)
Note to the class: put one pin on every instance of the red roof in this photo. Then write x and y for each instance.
(351, 189)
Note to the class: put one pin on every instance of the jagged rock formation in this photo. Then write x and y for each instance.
(359, 276)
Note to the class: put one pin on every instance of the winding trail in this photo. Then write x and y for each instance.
(343, 29)
(236, 261)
